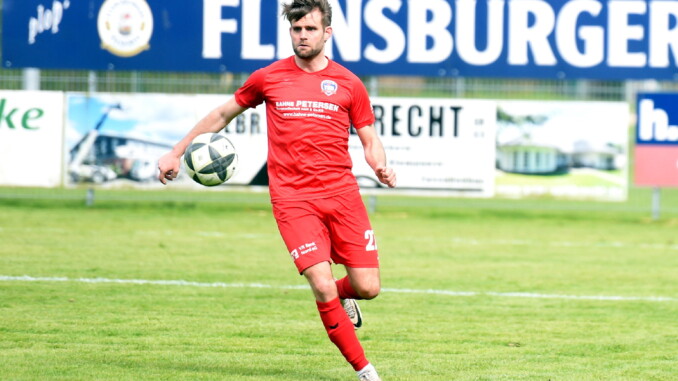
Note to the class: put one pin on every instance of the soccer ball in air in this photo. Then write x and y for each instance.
(210, 159)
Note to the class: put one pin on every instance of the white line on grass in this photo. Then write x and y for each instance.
(26, 278)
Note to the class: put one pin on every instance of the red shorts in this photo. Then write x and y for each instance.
(334, 229)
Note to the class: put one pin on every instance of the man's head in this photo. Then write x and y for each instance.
(310, 28)
(297, 9)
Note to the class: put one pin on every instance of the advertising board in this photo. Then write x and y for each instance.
(656, 151)
(562, 149)
(31, 136)
(554, 39)
(115, 140)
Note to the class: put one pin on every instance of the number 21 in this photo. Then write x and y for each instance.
(371, 240)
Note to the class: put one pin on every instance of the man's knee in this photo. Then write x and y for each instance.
(325, 287)
(368, 290)
(365, 282)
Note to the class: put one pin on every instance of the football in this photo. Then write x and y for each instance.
(210, 159)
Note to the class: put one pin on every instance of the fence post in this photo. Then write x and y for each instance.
(91, 81)
(89, 198)
(372, 203)
(656, 203)
(31, 79)
(373, 85)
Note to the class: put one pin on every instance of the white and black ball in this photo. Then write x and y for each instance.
(210, 159)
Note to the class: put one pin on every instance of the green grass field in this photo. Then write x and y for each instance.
(189, 290)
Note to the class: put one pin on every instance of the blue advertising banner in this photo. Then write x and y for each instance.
(656, 150)
(657, 119)
(554, 39)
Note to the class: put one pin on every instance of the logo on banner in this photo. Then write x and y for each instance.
(653, 124)
(329, 87)
(656, 151)
(125, 26)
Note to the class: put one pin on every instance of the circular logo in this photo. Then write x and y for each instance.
(329, 87)
(125, 26)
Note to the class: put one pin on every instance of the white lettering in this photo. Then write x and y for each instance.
(251, 35)
(284, 43)
(214, 26)
(420, 30)
(620, 33)
(466, 32)
(387, 29)
(346, 30)
(593, 36)
(523, 37)
(46, 19)
(582, 34)
(662, 37)
(654, 123)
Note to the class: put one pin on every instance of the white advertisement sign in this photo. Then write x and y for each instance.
(445, 146)
(562, 149)
(31, 136)
(115, 140)
(439, 145)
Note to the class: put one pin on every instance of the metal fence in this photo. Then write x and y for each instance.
(225, 83)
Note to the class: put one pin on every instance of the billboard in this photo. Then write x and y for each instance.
(656, 152)
(562, 149)
(443, 146)
(457, 147)
(31, 136)
(554, 39)
(115, 140)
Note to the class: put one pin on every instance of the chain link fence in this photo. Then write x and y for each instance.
(437, 87)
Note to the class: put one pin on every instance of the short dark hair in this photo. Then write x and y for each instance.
(297, 9)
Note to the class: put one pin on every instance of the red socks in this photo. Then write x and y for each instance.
(345, 289)
(341, 332)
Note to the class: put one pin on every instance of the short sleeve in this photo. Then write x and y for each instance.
(251, 93)
(361, 112)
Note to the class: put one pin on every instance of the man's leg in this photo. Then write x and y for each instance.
(337, 324)
(359, 283)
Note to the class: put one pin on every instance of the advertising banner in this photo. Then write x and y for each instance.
(572, 150)
(116, 139)
(451, 147)
(440, 145)
(31, 136)
(443, 145)
(656, 153)
(554, 39)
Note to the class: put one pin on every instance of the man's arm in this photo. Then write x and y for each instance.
(375, 155)
(215, 121)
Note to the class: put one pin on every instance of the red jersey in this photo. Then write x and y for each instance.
(308, 117)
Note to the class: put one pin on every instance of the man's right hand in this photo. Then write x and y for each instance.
(168, 167)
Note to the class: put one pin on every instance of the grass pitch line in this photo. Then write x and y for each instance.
(184, 283)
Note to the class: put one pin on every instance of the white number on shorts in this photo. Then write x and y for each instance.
(371, 241)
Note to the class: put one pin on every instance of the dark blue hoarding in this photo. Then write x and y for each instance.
(657, 121)
(550, 39)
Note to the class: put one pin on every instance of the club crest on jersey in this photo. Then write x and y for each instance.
(329, 87)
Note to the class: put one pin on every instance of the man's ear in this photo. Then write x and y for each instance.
(328, 33)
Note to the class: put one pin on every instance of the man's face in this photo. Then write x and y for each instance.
(309, 36)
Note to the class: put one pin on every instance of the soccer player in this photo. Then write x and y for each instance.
(311, 101)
